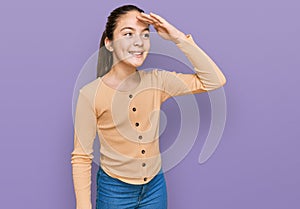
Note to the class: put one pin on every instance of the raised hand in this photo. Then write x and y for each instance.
(162, 27)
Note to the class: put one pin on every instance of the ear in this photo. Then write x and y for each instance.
(108, 44)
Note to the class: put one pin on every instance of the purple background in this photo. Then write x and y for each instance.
(255, 43)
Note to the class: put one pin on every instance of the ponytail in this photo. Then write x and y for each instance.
(105, 58)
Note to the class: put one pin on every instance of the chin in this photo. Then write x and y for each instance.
(136, 63)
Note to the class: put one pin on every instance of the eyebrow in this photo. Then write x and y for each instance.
(130, 28)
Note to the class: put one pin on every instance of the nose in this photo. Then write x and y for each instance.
(138, 41)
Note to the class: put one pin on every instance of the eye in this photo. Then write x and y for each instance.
(146, 35)
(129, 34)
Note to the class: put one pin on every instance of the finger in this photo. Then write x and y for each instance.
(144, 20)
(144, 15)
(157, 17)
(148, 17)
(150, 20)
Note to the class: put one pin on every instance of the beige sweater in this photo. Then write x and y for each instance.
(127, 122)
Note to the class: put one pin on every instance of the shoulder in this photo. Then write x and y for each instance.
(90, 89)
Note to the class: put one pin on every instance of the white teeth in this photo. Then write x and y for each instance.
(136, 53)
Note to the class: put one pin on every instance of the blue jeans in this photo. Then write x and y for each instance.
(115, 194)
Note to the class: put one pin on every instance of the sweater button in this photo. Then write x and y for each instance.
(130, 95)
(143, 164)
(140, 137)
(137, 124)
(145, 179)
(143, 151)
(134, 109)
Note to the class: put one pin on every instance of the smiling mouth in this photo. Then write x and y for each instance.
(137, 53)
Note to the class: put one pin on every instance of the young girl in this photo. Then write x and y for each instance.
(122, 105)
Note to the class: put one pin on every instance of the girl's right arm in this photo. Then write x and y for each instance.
(84, 135)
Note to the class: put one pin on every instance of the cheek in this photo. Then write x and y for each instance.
(121, 44)
(147, 45)
(121, 47)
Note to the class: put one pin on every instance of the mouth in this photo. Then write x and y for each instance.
(137, 54)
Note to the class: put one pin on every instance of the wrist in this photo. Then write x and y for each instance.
(180, 38)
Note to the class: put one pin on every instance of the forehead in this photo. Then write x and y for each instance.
(129, 20)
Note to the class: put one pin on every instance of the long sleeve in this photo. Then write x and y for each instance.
(84, 135)
(207, 75)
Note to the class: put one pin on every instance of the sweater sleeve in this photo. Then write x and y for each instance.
(207, 75)
(84, 135)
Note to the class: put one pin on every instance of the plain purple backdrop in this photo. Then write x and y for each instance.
(255, 43)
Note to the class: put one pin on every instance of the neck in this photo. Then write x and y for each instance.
(121, 71)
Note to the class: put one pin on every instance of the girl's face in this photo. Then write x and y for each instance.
(131, 42)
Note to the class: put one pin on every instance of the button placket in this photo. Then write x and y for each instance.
(140, 137)
(143, 164)
(134, 109)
